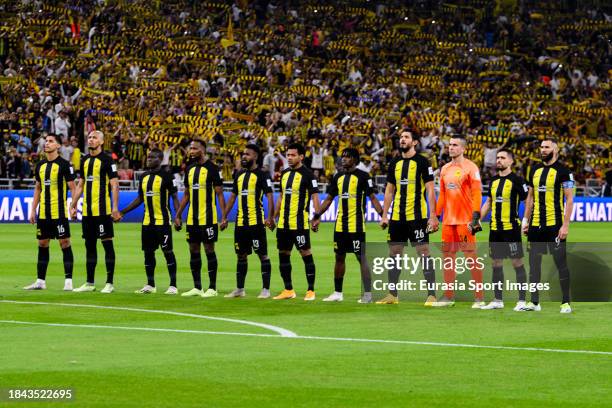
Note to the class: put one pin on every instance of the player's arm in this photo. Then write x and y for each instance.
(220, 198)
(441, 203)
(35, 201)
(528, 211)
(486, 207)
(175, 203)
(476, 189)
(316, 201)
(278, 206)
(568, 192)
(227, 208)
(332, 192)
(270, 220)
(134, 204)
(76, 196)
(178, 218)
(389, 193)
(376, 204)
(432, 223)
(114, 182)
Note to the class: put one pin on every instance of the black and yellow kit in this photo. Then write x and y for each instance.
(409, 214)
(97, 171)
(297, 187)
(202, 219)
(155, 190)
(505, 194)
(250, 234)
(351, 188)
(53, 177)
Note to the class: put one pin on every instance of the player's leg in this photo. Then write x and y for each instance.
(366, 276)
(302, 243)
(429, 272)
(264, 259)
(243, 242)
(195, 260)
(68, 260)
(43, 259)
(340, 248)
(450, 243)
(212, 266)
(90, 236)
(397, 237)
(521, 279)
(106, 234)
(467, 244)
(559, 254)
(536, 249)
(149, 245)
(284, 245)
(165, 238)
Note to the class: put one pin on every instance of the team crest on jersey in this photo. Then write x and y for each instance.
(458, 173)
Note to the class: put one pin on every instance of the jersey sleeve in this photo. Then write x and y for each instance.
(476, 186)
(216, 177)
(521, 188)
(170, 182)
(332, 187)
(530, 176)
(235, 184)
(186, 178)
(391, 173)
(37, 172)
(266, 182)
(566, 178)
(312, 184)
(69, 173)
(441, 202)
(111, 169)
(427, 173)
(369, 186)
(140, 190)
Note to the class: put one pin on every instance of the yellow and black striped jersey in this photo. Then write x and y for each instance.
(250, 187)
(548, 183)
(135, 151)
(352, 189)
(409, 177)
(155, 190)
(53, 177)
(97, 172)
(506, 193)
(297, 187)
(201, 180)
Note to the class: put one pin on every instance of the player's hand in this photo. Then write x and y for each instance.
(314, 224)
(32, 218)
(270, 223)
(525, 226)
(384, 222)
(223, 224)
(116, 215)
(178, 223)
(563, 232)
(433, 224)
(73, 213)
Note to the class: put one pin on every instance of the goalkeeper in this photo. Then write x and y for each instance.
(460, 200)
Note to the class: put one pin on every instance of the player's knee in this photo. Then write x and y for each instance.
(64, 243)
(340, 258)
(499, 262)
(264, 257)
(242, 257)
(43, 243)
(423, 250)
(208, 248)
(517, 262)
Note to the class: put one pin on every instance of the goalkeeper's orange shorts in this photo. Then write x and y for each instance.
(457, 238)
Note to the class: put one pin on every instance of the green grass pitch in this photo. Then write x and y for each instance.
(112, 357)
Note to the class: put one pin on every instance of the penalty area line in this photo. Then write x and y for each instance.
(322, 338)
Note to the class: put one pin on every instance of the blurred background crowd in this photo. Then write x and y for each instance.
(329, 74)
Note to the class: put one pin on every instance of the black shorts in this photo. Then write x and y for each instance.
(249, 239)
(53, 229)
(544, 239)
(98, 227)
(506, 244)
(413, 231)
(286, 239)
(154, 236)
(202, 233)
(349, 243)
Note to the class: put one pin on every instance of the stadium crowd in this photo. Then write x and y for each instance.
(329, 74)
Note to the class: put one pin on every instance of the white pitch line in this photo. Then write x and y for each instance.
(276, 329)
(342, 339)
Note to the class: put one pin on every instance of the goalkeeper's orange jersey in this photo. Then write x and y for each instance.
(460, 192)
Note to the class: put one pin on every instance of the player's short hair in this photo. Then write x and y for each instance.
(507, 151)
(254, 147)
(97, 132)
(352, 153)
(58, 138)
(550, 139)
(157, 152)
(200, 142)
(297, 146)
(460, 137)
(416, 136)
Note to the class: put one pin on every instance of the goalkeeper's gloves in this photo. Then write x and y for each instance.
(475, 224)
